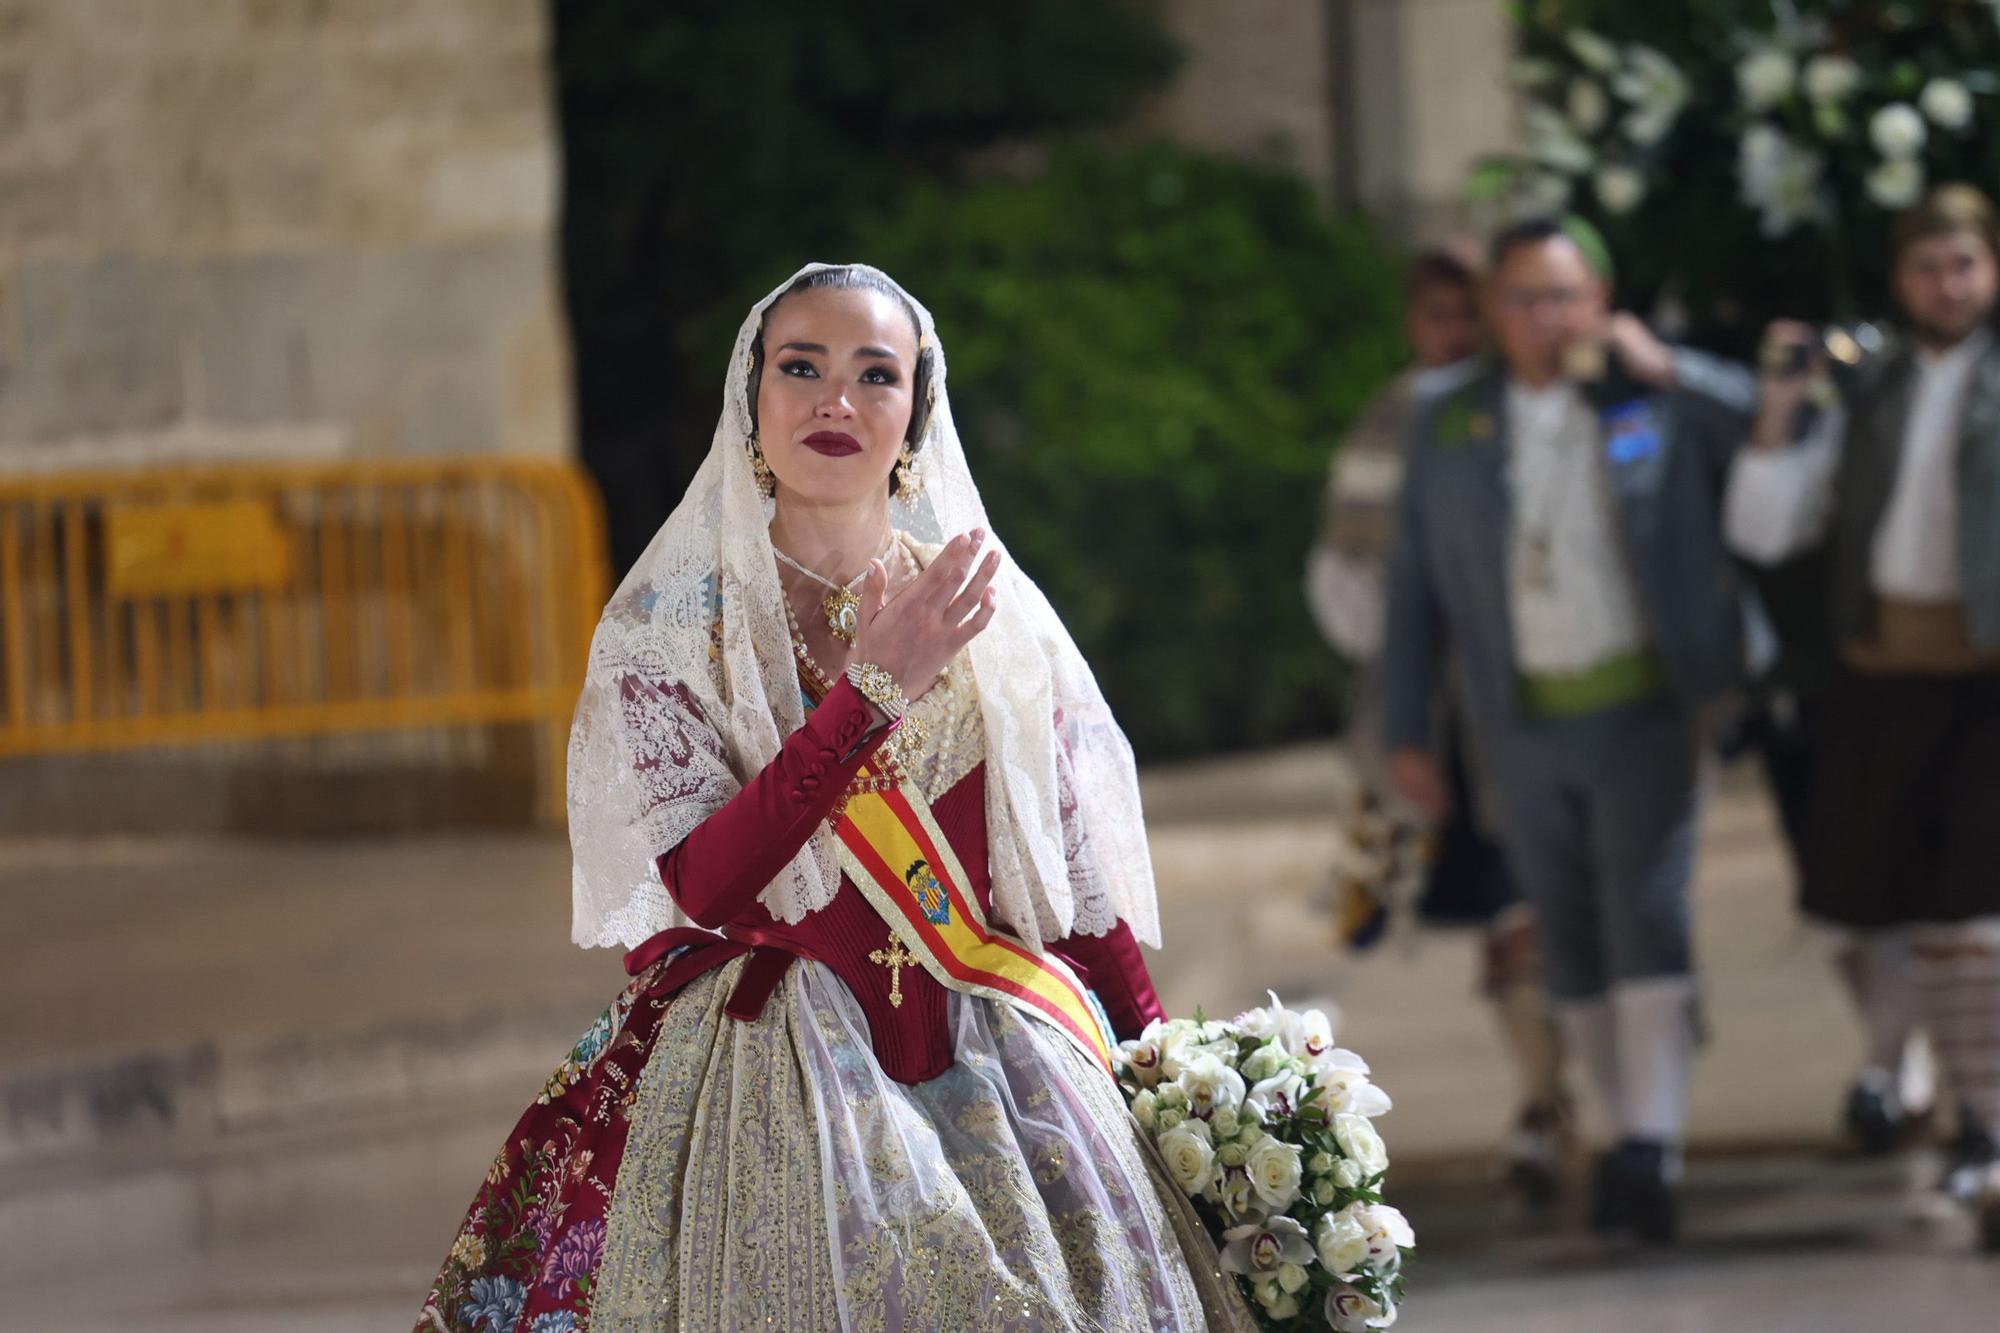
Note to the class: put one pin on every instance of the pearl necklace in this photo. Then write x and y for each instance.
(842, 605)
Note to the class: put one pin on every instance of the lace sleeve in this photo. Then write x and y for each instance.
(1095, 914)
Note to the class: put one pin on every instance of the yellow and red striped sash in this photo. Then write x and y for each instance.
(891, 847)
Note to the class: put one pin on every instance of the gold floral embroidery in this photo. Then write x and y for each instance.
(774, 1177)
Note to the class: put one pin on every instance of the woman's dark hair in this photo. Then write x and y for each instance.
(850, 278)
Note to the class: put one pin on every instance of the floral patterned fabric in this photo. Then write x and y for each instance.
(685, 1170)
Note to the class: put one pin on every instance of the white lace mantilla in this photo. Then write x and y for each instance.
(691, 691)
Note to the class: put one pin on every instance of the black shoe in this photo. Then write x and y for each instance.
(1874, 1117)
(1632, 1193)
(1969, 1163)
(1535, 1153)
(1989, 1227)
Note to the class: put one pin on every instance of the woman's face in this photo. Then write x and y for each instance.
(835, 398)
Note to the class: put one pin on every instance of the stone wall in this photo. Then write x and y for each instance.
(277, 227)
(1382, 104)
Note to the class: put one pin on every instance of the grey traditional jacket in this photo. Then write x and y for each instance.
(1667, 456)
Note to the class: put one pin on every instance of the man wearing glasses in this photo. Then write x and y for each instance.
(1559, 539)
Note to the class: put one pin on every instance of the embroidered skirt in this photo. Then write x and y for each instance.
(684, 1170)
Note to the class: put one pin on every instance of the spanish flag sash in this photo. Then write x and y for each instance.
(891, 847)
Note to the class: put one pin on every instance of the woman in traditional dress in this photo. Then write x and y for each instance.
(841, 784)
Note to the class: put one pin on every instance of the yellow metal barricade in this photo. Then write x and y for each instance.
(246, 601)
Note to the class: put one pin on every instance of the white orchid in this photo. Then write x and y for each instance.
(1657, 90)
(1896, 183)
(1948, 104)
(1620, 189)
(1766, 77)
(1898, 131)
(1210, 1085)
(1595, 51)
(1351, 1311)
(1260, 1247)
(1588, 106)
(1236, 1195)
(1831, 78)
(1388, 1234)
(1348, 1092)
(1278, 1097)
(1780, 179)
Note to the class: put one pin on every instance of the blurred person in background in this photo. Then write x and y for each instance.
(808, 1109)
(1464, 879)
(1558, 539)
(1903, 839)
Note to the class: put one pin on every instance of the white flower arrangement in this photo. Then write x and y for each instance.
(1267, 1126)
(1947, 103)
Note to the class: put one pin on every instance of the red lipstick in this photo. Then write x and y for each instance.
(833, 443)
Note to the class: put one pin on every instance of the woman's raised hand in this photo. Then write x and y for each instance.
(915, 634)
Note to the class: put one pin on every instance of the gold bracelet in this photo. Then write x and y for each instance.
(878, 687)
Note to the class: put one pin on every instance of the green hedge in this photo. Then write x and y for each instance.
(1152, 355)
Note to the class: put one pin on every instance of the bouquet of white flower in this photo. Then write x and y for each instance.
(1266, 1125)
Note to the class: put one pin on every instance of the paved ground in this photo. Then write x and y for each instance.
(251, 1086)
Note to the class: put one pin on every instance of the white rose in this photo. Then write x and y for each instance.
(1349, 1311)
(1173, 1117)
(1188, 1157)
(1388, 1232)
(1594, 51)
(1342, 1242)
(1209, 1084)
(1765, 78)
(1347, 1175)
(1274, 1170)
(1233, 1154)
(1265, 1061)
(1285, 1307)
(1325, 1191)
(1225, 1122)
(1896, 183)
(1170, 1097)
(1588, 107)
(1363, 1146)
(1279, 1096)
(1831, 78)
(1143, 1107)
(1898, 131)
(1620, 189)
(1292, 1277)
(1947, 103)
(1321, 1164)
